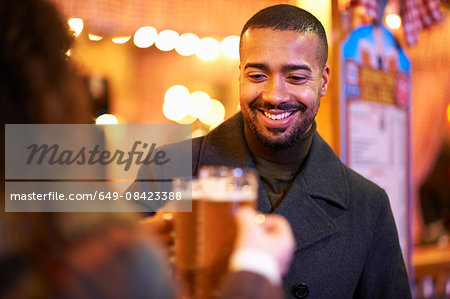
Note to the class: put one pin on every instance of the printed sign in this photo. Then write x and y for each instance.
(375, 116)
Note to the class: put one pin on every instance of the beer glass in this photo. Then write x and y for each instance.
(204, 238)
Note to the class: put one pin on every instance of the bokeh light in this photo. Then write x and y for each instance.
(121, 39)
(200, 104)
(145, 37)
(187, 44)
(230, 46)
(448, 113)
(106, 119)
(260, 219)
(95, 38)
(393, 21)
(76, 25)
(176, 102)
(187, 120)
(216, 114)
(208, 49)
(166, 40)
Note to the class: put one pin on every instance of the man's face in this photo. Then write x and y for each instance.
(281, 83)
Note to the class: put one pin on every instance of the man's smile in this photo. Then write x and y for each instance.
(275, 116)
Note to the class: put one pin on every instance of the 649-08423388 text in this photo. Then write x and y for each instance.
(102, 195)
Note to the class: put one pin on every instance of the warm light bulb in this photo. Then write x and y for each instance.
(166, 40)
(145, 37)
(208, 49)
(176, 102)
(121, 39)
(76, 25)
(230, 46)
(94, 37)
(187, 44)
(187, 120)
(106, 119)
(200, 104)
(393, 21)
(215, 115)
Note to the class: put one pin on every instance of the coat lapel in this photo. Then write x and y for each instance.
(310, 222)
(319, 178)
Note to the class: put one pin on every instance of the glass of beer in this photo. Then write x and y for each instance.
(204, 238)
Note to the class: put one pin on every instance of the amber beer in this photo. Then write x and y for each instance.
(204, 238)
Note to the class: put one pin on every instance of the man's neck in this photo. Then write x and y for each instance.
(278, 168)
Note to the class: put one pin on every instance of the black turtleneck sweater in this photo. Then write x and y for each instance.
(278, 168)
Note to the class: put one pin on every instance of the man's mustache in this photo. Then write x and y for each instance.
(282, 106)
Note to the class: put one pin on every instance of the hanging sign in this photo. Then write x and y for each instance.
(375, 116)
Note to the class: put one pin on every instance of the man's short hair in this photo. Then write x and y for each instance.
(287, 17)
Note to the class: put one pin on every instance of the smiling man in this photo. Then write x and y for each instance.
(281, 82)
(347, 242)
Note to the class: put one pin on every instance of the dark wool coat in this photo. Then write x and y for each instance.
(347, 243)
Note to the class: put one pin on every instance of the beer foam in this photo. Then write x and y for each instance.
(189, 189)
(232, 196)
(220, 189)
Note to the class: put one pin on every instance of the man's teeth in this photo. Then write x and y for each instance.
(277, 116)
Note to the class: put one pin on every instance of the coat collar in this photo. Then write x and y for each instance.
(226, 146)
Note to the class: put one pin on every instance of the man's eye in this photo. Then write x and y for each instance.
(257, 77)
(296, 79)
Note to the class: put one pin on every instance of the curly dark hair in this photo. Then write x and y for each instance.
(38, 81)
(38, 84)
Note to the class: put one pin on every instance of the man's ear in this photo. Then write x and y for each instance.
(325, 80)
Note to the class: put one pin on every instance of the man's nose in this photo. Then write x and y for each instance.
(276, 91)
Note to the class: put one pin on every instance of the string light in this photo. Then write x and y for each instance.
(176, 103)
(230, 46)
(121, 39)
(166, 40)
(184, 107)
(215, 115)
(106, 119)
(94, 37)
(187, 120)
(187, 44)
(393, 21)
(208, 49)
(145, 37)
(200, 104)
(76, 25)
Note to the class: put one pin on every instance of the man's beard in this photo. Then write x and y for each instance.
(273, 139)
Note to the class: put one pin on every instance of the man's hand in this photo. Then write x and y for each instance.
(269, 234)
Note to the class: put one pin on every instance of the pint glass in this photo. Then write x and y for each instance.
(204, 238)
